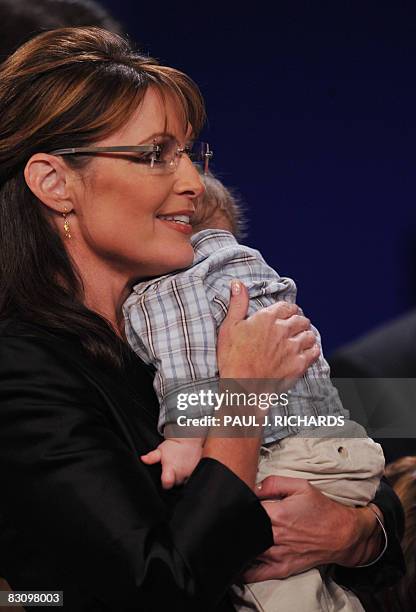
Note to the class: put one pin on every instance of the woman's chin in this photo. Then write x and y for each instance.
(177, 261)
(180, 263)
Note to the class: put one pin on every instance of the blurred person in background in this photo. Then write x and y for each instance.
(21, 20)
(381, 367)
(402, 596)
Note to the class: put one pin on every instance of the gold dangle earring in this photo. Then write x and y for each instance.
(67, 228)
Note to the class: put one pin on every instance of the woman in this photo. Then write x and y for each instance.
(82, 514)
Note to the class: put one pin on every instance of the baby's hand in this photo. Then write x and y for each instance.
(179, 457)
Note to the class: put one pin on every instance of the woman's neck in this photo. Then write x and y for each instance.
(105, 290)
(107, 300)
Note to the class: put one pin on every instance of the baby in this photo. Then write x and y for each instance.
(172, 323)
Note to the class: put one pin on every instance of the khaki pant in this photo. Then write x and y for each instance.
(348, 470)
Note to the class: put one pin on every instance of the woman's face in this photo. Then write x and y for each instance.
(119, 203)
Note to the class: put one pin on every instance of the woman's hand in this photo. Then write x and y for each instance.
(276, 342)
(310, 529)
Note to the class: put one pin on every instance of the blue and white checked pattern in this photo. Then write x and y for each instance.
(172, 322)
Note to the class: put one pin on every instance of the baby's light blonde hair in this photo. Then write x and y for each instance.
(219, 208)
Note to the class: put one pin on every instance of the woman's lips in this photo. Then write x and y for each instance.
(184, 228)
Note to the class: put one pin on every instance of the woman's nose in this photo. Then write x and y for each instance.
(188, 179)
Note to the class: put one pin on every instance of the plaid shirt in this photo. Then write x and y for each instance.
(172, 323)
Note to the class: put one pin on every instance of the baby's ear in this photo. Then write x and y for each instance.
(47, 178)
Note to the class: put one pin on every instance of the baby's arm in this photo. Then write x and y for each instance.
(170, 326)
(178, 456)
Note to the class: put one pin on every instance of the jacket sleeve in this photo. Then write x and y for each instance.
(391, 567)
(80, 500)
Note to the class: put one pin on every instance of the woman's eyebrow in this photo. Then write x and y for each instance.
(166, 135)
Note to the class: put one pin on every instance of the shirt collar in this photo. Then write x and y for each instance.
(208, 241)
(205, 243)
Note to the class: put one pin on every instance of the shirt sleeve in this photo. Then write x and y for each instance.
(81, 507)
(264, 285)
(313, 394)
(173, 325)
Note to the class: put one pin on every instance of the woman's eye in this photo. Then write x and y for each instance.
(167, 150)
(164, 154)
(149, 158)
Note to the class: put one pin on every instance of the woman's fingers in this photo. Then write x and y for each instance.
(297, 324)
(274, 343)
(238, 306)
(237, 312)
(275, 564)
(311, 355)
(302, 341)
(261, 572)
(279, 487)
(305, 339)
(278, 563)
(308, 527)
(283, 310)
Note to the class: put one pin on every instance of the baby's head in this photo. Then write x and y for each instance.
(218, 208)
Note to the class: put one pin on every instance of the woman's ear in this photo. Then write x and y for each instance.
(47, 177)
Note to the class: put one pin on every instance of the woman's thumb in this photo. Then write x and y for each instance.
(238, 306)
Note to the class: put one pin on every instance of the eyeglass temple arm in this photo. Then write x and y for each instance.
(119, 149)
(208, 155)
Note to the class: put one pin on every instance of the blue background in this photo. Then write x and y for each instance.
(311, 110)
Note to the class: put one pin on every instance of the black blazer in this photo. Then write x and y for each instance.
(80, 512)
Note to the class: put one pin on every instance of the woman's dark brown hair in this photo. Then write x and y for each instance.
(65, 88)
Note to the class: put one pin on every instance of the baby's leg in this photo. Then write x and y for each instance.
(342, 462)
(310, 591)
(347, 469)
